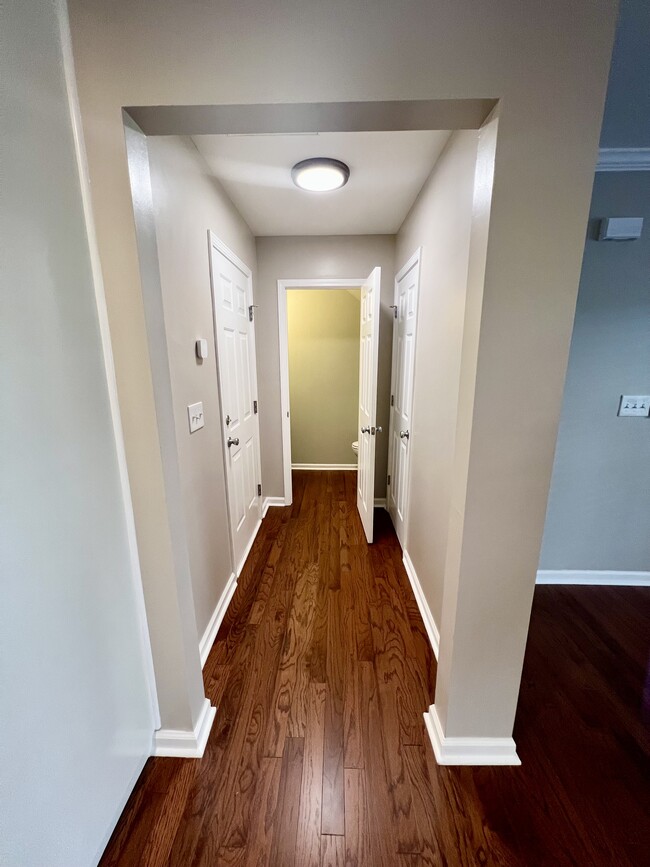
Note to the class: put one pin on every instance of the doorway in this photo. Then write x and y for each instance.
(367, 430)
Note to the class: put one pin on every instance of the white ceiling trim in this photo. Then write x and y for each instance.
(623, 160)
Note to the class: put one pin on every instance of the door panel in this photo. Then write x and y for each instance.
(235, 341)
(407, 285)
(368, 366)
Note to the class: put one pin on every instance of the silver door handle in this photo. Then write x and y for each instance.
(233, 441)
(379, 429)
(365, 430)
(404, 434)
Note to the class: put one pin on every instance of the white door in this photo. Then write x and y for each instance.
(368, 364)
(232, 299)
(407, 285)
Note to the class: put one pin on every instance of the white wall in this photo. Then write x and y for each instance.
(187, 202)
(76, 717)
(440, 222)
(335, 256)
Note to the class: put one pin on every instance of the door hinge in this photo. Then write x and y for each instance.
(251, 307)
(392, 400)
(393, 307)
(388, 482)
(259, 490)
(255, 407)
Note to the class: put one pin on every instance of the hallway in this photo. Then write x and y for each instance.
(319, 755)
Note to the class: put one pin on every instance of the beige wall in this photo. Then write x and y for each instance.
(323, 332)
(547, 64)
(187, 202)
(339, 257)
(440, 222)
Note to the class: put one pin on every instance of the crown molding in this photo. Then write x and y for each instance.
(623, 160)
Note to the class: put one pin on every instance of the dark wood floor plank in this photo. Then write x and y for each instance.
(333, 818)
(311, 792)
(283, 849)
(357, 780)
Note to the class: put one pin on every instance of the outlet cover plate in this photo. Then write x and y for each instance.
(637, 405)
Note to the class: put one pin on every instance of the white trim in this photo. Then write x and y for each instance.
(323, 466)
(423, 605)
(241, 563)
(414, 261)
(186, 744)
(623, 160)
(109, 363)
(206, 642)
(380, 502)
(593, 577)
(270, 502)
(468, 751)
(283, 339)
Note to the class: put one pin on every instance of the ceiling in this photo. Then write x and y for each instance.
(387, 171)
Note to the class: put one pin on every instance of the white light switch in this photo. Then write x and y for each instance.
(195, 416)
(635, 405)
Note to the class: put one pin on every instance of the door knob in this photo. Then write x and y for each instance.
(379, 429)
(404, 434)
(365, 430)
(233, 441)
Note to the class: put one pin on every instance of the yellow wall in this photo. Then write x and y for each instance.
(323, 327)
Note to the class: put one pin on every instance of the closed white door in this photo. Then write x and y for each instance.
(232, 299)
(368, 365)
(407, 285)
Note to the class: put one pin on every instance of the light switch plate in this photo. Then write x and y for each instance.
(634, 405)
(195, 416)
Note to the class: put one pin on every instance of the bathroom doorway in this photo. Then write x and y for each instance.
(329, 360)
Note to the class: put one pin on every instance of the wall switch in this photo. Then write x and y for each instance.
(634, 405)
(195, 416)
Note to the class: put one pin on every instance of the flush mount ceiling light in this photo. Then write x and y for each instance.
(320, 174)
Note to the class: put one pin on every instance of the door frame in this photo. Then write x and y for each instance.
(415, 260)
(215, 243)
(283, 333)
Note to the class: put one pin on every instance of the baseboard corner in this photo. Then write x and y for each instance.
(468, 751)
(186, 744)
(271, 502)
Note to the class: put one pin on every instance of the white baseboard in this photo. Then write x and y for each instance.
(468, 751)
(323, 466)
(594, 577)
(205, 645)
(240, 565)
(623, 160)
(380, 502)
(186, 744)
(271, 501)
(423, 605)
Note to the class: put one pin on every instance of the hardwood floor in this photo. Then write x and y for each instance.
(318, 756)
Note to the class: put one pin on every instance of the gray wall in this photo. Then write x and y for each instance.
(336, 256)
(627, 110)
(187, 202)
(75, 713)
(599, 502)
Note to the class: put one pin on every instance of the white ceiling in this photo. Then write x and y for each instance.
(387, 171)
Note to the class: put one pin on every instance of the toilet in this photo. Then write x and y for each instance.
(355, 448)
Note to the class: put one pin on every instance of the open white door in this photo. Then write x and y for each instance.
(407, 287)
(232, 299)
(368, 365)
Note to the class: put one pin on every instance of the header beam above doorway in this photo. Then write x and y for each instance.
(310, 117)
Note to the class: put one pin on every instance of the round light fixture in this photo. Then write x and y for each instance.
(320, 174)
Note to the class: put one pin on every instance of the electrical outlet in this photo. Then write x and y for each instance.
(637, 405)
